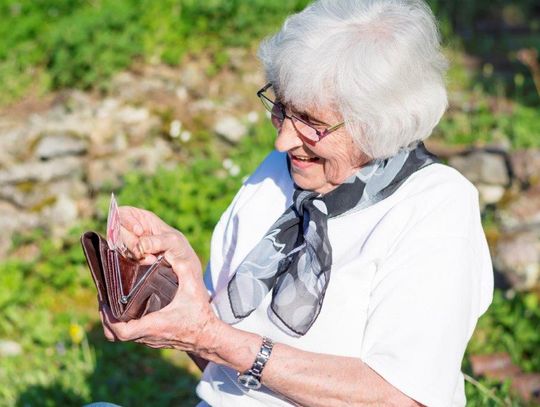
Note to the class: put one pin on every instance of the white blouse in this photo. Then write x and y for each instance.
(411, 275)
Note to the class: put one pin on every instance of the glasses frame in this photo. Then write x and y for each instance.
(320, 134)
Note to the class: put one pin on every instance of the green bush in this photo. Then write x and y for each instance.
(94, 43)
(81, 43)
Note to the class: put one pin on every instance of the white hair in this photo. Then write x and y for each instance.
(377, 63)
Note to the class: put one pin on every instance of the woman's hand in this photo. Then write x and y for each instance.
(136, 223)
(188, 322)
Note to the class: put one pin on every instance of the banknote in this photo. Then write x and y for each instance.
(113, 226)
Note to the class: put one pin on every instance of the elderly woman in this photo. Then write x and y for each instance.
(351, 267)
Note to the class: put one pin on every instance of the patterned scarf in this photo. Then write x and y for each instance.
(294, 258)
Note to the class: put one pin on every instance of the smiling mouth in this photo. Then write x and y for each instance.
(305, 159)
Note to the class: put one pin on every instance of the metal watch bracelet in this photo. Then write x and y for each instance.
(251, 379)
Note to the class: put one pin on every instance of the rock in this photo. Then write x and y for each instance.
(41, 171)
(490, 194)
(34, 196)
(527, 386)
(517, 256)
(193, 78)
(72, 187)
(237, 57)
(13, 220)
(140, 132)
(524, 212)
(6, 160)
(202, 105)
(15, 142)
(131, 115)
(108, 172)
(482, 167)
(107, 108)
(148, 158)
(60, 145)
(9, 348)
(526, 165)
(25, 196)
(230, 128)
(496, 366)
(63, 213)
(107, 139)
(182, 93)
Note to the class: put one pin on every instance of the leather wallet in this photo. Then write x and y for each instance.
(130, 289)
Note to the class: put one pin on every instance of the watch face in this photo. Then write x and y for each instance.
(249, 381)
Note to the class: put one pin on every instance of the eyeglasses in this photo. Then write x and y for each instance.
(302, 126)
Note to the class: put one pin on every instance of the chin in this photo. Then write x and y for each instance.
(307, 184)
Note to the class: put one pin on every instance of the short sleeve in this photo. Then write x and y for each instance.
(427, 295)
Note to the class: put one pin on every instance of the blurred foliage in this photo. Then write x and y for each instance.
(48, 303)
(61, 43)
(511, 325)
(81, 43)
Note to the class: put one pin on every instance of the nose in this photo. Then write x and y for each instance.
(287, 137)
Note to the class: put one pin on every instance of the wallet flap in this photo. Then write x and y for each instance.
(90, 245)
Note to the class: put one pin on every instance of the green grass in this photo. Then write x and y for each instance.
(51, 44)
(48, 305)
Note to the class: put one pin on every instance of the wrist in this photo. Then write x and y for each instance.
(252, 378)
(207, 341)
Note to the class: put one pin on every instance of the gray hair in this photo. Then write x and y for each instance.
(378, 63)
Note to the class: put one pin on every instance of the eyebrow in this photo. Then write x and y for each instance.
(311, 119)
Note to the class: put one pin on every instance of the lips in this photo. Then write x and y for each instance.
(303, 161)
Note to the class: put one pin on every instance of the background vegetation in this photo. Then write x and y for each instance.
(47, 305)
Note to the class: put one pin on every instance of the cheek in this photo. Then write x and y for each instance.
(340, 163)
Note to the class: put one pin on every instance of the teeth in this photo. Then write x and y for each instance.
(303, 159)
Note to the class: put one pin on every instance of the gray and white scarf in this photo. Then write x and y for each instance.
(294, 258)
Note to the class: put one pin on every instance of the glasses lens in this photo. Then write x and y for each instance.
(305, 130)
(276, 110)
(267, 104)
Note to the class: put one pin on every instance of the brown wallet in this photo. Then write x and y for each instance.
(130, 289)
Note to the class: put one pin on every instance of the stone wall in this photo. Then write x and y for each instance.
(55, 160)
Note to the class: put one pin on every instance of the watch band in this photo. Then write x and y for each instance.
(251, 379)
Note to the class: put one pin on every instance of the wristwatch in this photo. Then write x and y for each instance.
(251, 379)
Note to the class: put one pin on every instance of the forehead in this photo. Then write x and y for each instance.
(308, 106)
(321, 114)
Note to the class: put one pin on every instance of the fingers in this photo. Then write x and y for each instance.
(122, 331)
(167, 242)
(130, 220)
(142, 222)
(131, 241)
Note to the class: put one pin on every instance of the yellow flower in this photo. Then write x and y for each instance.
(76, 333)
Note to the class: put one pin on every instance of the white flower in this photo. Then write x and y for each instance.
(175, 128)
(234, 170)
(185, 136)
(253, 117)
(228, 163)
